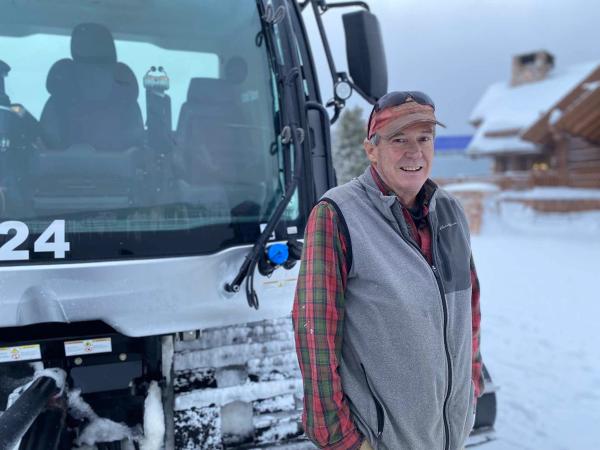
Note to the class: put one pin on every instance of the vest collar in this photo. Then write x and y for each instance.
(382, 202)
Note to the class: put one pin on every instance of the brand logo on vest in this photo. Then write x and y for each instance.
(448, 225)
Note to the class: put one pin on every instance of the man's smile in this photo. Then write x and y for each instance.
(411, 168)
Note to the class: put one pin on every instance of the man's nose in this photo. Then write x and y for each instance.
(413, 147)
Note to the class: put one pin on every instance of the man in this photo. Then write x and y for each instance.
(386, 314)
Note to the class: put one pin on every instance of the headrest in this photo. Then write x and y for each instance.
(209, 90)
(92, 42)
(64, 78)
(236, 70)
(60, 76)
(126, 81)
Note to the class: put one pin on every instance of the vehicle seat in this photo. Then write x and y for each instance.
(216, 144)
(93, 98)
(205, 132)
(236, 70)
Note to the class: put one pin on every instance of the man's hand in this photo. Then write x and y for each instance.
(365, 445)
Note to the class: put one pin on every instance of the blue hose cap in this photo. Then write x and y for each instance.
(278, 253)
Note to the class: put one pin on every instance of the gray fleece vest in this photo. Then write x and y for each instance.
(406, 352)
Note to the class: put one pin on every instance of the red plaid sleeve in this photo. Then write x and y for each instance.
(476, 313)
(318, 317)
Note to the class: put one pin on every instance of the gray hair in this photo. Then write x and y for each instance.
(376, 139)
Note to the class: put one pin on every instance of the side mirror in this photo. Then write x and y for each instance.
(366, 56)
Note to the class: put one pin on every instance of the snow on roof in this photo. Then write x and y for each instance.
(471, 187)
(482, 144)
(592, 85)
(523, 104)
(553, 193)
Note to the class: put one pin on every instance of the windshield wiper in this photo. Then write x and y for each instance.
(292, 134)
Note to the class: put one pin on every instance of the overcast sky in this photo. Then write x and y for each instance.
(454, 49)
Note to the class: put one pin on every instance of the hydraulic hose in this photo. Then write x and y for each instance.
(17, 419)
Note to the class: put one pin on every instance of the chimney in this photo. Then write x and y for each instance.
(530, 67)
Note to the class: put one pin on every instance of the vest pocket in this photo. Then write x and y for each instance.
(378, 406)
(454, 259)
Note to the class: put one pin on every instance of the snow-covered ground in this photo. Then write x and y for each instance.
(540, 294)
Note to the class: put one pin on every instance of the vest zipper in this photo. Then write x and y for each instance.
(378, 407)
(438, 280)
(448, 359)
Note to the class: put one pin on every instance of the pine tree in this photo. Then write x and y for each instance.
(349, 157)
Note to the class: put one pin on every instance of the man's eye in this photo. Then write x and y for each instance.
(425, 138)
(398, 140)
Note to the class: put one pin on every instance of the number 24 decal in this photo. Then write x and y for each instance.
(8, 250)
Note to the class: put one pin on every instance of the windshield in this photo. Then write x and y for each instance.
(149, 128)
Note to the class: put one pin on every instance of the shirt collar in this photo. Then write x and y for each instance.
(421, 208)
(385, 190)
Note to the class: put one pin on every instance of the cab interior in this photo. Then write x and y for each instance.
(136, 104)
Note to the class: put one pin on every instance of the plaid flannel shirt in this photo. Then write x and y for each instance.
(318, 317)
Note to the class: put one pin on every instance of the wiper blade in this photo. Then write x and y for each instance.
(252, 258)
(291, 134)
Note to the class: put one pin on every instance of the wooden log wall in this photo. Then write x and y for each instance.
(583, 163)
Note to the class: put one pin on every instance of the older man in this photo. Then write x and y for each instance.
(386, 314)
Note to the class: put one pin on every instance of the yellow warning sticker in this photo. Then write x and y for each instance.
(88, 346)
(20, 353)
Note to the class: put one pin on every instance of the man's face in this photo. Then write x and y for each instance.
(403, 159)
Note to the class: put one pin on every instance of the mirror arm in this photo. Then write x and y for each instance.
(325, 6)
(303, 4)
(343, 76)
(369, 99)
(320, 7)
(330, 62)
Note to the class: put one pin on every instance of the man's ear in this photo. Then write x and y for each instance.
(370, 151)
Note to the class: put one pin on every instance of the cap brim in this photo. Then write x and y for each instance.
(405, 122)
